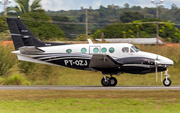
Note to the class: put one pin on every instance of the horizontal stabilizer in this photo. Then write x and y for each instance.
(103, 61)
(30, 50)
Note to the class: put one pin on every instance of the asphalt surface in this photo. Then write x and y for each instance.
(49, 87)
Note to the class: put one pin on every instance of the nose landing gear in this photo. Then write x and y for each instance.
(167, 81)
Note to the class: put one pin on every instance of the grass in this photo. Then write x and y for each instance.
(52, 101)
(67, 76)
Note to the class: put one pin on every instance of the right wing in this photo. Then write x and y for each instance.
(103, 61)
(30, 50)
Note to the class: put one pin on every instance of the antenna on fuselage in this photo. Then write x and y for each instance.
(90, 41)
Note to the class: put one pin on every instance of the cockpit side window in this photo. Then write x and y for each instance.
(135, 48)
(132, 51)
(125, 49)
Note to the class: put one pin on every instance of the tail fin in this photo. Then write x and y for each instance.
(21, 35)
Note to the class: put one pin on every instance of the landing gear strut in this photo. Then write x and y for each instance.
(167, 81)
(106, 81)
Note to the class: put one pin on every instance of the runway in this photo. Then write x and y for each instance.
(49, 87)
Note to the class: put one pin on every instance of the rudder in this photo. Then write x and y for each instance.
(21, 35)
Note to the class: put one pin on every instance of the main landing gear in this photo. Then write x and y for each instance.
(167, 80)
(106, 81)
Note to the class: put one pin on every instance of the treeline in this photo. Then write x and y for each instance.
(110, 21)
(146, 28)
(112, 13)
(101, 19)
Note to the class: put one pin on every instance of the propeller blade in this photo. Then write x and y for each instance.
(156, 73)
(161, 76)
(156, 68)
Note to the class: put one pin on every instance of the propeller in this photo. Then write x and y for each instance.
(161, 76)
(156, 63)
(156, 68)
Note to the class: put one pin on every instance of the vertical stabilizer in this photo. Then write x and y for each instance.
(21, 35)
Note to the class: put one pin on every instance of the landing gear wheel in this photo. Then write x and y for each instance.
(167, 82)
(105, 83)
(113, 81)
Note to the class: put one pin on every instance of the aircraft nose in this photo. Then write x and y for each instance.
(166, 61)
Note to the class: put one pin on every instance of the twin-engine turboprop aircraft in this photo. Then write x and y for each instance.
(110, 59)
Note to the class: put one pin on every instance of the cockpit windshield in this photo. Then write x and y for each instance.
(135, 48)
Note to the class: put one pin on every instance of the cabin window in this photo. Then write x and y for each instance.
(125, 50)
(83, 50)
(111, 50)
(103, 50)
(95, 50)
(69, 50)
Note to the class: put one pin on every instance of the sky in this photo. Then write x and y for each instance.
(56, 5)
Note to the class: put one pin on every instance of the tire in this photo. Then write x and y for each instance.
(107, 83)
(167, 83)
(113, 81)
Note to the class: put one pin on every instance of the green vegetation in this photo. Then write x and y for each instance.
(131, 16)
(46, 101)
(23, 7)
(100, 18)
(3, 24)
(71, 30)
(41, 26)
(35, 18)
(167, 30)
(15, 80)
(7, 60)
(111, 20)
(88, 106)
(39, 23)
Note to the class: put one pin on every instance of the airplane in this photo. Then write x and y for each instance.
(108, 58)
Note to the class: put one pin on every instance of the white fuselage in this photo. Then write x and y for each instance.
(115, 50)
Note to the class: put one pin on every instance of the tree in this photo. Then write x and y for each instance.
(4, 30)
(41, 25)
(70, 30)
(24, 7)
(167, 30)
(136, 8)
(126, 5)
(102, 11)
(131, 16)
(3, 24)
(82, 18)
(174, 7)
